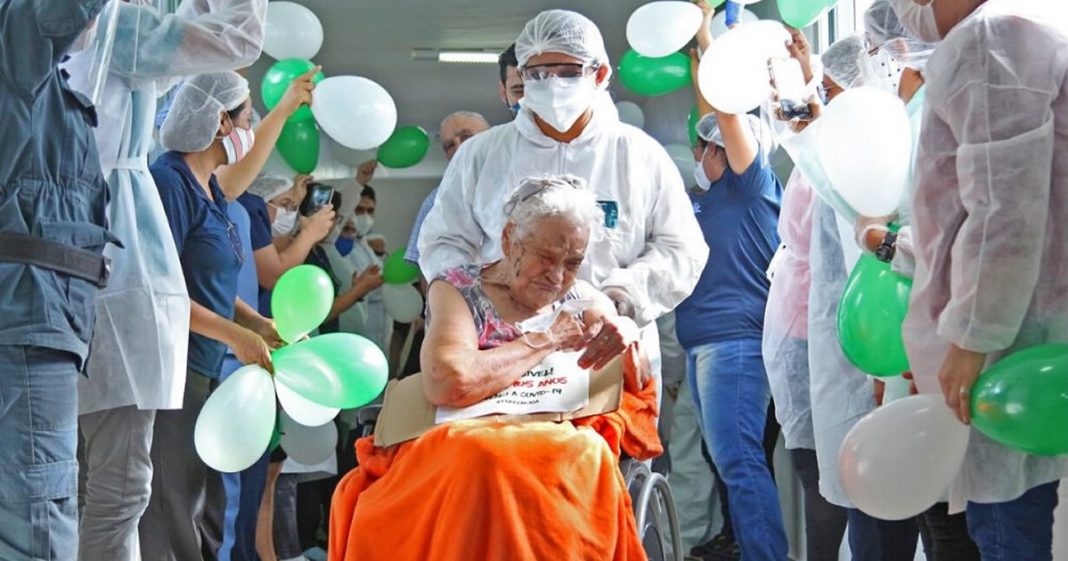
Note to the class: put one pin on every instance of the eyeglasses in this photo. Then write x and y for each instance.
(559, 70)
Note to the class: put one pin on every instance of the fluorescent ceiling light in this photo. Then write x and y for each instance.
(463, 57)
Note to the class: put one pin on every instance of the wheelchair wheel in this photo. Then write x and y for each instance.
(654, 512)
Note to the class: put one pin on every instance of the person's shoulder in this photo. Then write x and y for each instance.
(253, 203)
(480, 145)
(170, 173)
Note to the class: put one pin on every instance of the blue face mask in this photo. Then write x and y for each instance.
(344, 245)
(515, 109)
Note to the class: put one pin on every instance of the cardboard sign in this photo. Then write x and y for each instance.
(557, 385)
(406, 414)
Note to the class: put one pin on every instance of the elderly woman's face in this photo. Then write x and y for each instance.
(544, 264)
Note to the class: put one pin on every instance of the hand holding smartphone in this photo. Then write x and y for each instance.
(789, 83)
(319, 195)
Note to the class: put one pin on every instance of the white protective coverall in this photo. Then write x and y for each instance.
(990, 213)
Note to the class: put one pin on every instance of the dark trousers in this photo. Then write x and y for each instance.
(825, 523)
(871, 539)
(945, 536)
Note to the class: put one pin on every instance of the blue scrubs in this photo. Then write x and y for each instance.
(51, 187)
(209, 247)
(260, 237)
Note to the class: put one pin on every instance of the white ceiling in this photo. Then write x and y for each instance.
(375, 39)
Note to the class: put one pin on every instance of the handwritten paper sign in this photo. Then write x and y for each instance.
(557, 385)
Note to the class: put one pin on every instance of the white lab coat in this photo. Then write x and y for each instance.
(139, 345)
(991, 214)
(656, 252)
(367, 318)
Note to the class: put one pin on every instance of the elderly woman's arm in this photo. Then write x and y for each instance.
(457, 374)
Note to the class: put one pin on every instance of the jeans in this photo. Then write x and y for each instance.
(1017, 530)
(38, 446)
(244, 492)
(730, 391)
(945, 536)
(825, 523)
(871, 539)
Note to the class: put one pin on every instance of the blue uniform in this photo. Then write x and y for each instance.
(259, 237)
(51, 188)
(209, 247)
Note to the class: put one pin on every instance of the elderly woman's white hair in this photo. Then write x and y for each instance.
(563, 196)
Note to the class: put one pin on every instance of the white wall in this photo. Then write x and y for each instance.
(1060, 526)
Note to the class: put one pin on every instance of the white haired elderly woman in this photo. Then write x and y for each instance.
(493, 489)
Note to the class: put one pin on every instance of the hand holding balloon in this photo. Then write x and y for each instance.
(368, 280)
(249, 347)
(299, 91)
(960, 370)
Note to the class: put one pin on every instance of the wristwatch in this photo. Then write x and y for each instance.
(886, 250)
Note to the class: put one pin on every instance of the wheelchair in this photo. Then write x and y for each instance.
(650, 494)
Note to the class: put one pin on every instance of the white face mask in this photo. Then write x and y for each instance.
(238, 144)
(703, 182)
(363, 224)
(918, 20)
(559, 101)
(285, 221)
(543, 323)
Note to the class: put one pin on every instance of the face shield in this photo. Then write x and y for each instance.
(91, 52)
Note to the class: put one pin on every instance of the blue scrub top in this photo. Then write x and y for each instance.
(739, 216)
(260, 236)
(209, 247)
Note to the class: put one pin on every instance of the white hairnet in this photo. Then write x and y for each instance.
(708, 130)
(561, 31)
(193, 119)
(841, 60)
(885, 31)
(269, 185)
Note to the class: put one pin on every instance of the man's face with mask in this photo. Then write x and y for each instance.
(511, 90)
(364, 220)
(559, 88)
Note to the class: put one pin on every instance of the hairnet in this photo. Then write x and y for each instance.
(885, 31)
(269, 185)
(708, 130)
(193, 120)
(841, 60)
(561, 31)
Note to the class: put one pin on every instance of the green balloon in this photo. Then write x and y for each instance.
(397, 269)
(276, 436)
(1022, 400)
(654, 76)
(870, 315)
(692, 126)
(406, 147)
(300, 301)
(716, 3)
(334, 370)
(277, 79)
(299, 145)
(800, 14)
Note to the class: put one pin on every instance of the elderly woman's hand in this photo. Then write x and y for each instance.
(568, 333)
(608, 337)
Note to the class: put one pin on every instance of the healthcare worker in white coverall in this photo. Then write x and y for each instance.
(990, 223)
(137, 362)
(652, 252)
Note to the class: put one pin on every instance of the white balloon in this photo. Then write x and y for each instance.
(718, 25)
(293, 31)
(900, 459)
(865, 145)
(235, 425)
(302, 409)
(733, 75)
(658, 29)
(403, 302)
(356, 112)
(630, 113)
(308, 445)
(682, 155)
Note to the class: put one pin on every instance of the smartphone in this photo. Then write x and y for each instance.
(319, 195)
(789, 83)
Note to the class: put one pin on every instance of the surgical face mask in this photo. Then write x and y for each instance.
(363, 224)
(703, 182)
(285, 221)
(543, 323)
(238, 143)
(918, 20)
(515, 108)
(560, 101)
(344, 245)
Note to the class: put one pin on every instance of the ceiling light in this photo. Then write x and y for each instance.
(463, 57)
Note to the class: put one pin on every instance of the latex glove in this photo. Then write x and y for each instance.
(621, 300)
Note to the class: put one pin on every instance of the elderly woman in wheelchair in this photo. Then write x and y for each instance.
(494, 488)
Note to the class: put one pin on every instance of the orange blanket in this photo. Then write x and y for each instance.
(485, 490)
